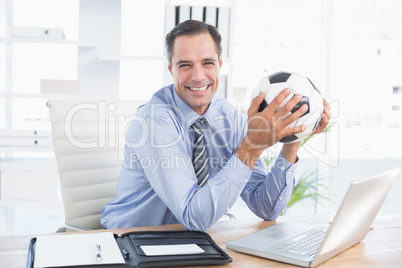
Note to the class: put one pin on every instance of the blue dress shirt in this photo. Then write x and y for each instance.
(157, 184)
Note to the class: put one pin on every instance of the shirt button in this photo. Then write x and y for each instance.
(282, 168)
(280, 198)
(289, 173)
(227, 209)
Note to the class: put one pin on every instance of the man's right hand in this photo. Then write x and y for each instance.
(267, 127)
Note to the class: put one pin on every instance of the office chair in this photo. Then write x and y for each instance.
(88, 141)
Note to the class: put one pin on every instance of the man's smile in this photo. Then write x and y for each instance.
(198, 88)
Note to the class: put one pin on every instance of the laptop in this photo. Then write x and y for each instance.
(306, 245)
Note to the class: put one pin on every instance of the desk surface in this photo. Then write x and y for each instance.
(382, 246)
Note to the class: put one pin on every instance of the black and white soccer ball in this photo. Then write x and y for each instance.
(298, 84)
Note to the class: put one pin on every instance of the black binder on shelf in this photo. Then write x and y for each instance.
(131, 246)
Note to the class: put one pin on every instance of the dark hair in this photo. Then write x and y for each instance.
(189, 28)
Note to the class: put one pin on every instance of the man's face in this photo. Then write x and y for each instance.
(195, 69)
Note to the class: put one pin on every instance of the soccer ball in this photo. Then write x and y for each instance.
(298, 84)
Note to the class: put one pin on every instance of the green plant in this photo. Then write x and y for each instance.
(327, 129)
(309, 185)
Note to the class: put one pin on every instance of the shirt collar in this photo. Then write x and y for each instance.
(190, 116)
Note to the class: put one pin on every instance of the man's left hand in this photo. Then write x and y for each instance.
(326, 115)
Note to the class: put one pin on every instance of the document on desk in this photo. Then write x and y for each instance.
(160, 250)
(77, 249)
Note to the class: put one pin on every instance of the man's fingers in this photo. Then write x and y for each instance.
(294, 116)
(293, 130)
(326, 104)
(327, 109)
(285, 110)
(325, 117)
(276, 102)
(255, 104)
(324, 122)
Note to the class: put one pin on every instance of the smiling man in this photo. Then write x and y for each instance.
(195, 74)
(191, 154)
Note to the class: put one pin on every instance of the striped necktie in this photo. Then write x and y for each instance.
(200, 158)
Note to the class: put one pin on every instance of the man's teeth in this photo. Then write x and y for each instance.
(199, 88)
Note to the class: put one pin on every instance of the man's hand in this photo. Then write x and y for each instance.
(289, 150)
(272, 124)
(326, 115)
(266, 128)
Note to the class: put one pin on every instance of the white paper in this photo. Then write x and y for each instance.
(155, 250)
(76, 249)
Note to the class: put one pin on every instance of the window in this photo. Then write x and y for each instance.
(362, 79)
(352, 51)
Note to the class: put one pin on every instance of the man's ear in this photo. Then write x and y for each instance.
(170, 68)
(220, 62)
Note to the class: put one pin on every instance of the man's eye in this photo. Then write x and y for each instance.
(184, 65)
(209, 63)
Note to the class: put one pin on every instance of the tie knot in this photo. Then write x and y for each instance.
(197, 125)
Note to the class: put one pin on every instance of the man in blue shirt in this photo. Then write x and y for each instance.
(158, 183)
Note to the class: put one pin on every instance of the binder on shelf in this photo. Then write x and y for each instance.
(210, 15)
(224, 29)
(197, 13)
(132, 249)
(184, 13)
(38, 32)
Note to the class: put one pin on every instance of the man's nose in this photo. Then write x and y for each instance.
(198, 73)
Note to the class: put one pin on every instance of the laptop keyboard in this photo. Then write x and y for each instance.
(306, 244)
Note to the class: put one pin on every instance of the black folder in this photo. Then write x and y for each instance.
(130, 248)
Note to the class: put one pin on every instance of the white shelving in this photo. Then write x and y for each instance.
(28, 173)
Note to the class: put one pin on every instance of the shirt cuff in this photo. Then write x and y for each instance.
(238, 172)
(282, 166)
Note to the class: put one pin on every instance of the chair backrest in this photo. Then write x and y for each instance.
(88, 141)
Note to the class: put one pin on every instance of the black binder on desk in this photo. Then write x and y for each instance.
(132, 245)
